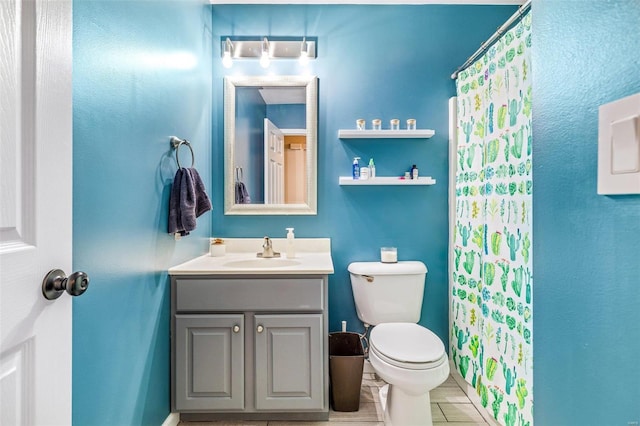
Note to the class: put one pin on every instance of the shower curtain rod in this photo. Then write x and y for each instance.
(484, 46)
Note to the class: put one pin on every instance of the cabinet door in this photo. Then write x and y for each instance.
(289, 368)
(209, 362)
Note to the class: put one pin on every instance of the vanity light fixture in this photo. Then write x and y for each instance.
(266, 49)
(226, 53)
(264, 56)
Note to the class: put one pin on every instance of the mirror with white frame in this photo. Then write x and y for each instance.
(270, 145)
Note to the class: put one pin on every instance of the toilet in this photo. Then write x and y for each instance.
(406, 355)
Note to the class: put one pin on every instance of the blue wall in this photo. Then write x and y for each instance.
(249, 155)
(288, 116)
(586, 252)
(373, 61)
(130, 94)
(142, 72)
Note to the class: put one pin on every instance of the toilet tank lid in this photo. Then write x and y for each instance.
(379, 268)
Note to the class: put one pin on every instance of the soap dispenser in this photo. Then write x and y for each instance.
(355, 170)
(291, 246)
(414, 172)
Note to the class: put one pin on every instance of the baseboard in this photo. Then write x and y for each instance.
(172, 420)
(472, 395)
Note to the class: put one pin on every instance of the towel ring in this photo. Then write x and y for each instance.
(176, 143)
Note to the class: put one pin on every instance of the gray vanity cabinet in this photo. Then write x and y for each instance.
(288, 351)
(249, 347)
(210, 349)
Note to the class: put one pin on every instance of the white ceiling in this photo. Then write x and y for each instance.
(388, 2)
(283, 95)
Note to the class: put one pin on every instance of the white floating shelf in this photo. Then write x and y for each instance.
(387, 180)
(385, 134)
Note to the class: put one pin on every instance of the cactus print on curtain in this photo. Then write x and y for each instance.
(491, 301)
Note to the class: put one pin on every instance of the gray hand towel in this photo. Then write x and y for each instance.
(188, 200)
(242, 195)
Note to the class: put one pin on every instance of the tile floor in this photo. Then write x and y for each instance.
(449, 406)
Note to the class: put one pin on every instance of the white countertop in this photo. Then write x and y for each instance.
(313, 256)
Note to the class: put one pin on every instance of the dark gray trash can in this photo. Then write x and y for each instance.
(346, 361)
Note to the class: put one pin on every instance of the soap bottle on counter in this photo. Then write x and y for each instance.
(291, 246)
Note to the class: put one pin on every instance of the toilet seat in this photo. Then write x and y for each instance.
(407, 345)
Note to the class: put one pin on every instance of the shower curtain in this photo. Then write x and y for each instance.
(491, 291)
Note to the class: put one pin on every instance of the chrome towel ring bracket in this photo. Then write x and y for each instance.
(176, 143)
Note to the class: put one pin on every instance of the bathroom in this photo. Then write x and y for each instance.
(143, 71)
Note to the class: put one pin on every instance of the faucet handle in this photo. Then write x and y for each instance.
(267, 242)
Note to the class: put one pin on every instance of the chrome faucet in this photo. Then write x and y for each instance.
(267, 249)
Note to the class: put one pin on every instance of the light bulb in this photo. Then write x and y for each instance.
(304, 53)
(226, 56)
(227, 62)
(264, 59)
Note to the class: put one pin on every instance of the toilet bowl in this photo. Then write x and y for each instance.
(406, 355)
(412, 360)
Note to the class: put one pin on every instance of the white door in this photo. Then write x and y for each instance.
(35, 210)
(273, 164)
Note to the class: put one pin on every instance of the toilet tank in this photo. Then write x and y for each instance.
(388, 292)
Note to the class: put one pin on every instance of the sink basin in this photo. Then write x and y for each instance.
(261, 263)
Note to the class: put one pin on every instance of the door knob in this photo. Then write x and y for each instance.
(236, 328)
(56, 282)
(260, 329)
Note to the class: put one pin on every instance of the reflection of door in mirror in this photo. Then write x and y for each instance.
(273, 163)
(285, 168)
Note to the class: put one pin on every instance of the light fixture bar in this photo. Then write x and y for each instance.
(251, 48)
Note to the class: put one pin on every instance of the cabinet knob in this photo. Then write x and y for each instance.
(236, 328)
(260, 329)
